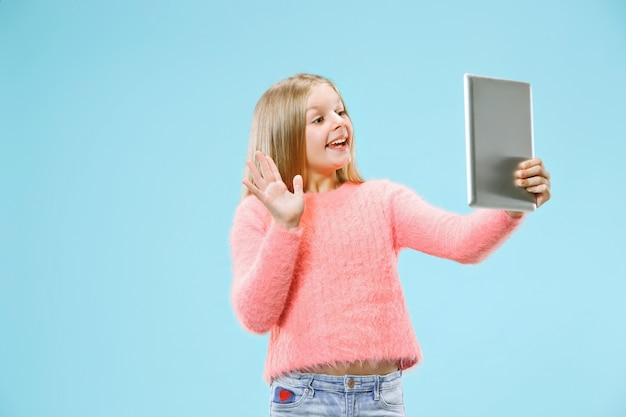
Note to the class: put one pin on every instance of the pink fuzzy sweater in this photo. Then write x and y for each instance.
(328, 291)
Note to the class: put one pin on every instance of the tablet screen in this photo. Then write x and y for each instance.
(499, 135)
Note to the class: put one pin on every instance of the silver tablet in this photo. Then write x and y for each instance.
(499, 135)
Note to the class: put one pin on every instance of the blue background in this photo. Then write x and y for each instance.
(123, 132)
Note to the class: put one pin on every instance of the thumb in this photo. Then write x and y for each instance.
(297, 185)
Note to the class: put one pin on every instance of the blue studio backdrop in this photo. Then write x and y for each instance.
(123, 134)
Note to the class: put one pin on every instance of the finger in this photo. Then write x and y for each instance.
(531, 182)
(538, 189)
(545, 172)
(531, 168)
(529, 172)
(274, 168)
(529, 163)
(298, 188)
(534, 171)
(266, 170)
(254, 190)
(542, 198)
(256, 175)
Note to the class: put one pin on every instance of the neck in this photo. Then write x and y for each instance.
(322, 184)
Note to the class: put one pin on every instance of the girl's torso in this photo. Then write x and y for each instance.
(356, 368)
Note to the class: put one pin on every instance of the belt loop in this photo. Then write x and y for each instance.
(377, 388)
(310, 388)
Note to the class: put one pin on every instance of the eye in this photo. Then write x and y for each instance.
(342, 113)
(318, 120)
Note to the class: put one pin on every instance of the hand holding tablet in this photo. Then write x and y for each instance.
(502, 172)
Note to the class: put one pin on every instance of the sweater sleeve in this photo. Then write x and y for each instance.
(264, 256)
(466, 239)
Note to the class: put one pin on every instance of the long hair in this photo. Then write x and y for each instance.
(279, 129)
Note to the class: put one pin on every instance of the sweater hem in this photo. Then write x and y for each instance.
(403, 364)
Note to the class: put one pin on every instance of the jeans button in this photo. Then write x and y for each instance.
(351, 383)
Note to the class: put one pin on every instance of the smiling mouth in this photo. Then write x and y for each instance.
(338, 143)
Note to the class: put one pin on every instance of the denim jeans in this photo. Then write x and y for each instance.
(313, 395)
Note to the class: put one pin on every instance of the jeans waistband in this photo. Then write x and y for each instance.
(344, 383)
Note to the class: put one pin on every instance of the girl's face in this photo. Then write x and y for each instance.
(328, 132)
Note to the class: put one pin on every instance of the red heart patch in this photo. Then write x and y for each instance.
(284, 395)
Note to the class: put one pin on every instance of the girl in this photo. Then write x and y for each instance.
(315, 253)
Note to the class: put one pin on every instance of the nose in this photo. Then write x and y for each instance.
(339, 121)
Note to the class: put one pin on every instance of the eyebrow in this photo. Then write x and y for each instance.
(337, 104)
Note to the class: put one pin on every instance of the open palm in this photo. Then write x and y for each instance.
(286, 207)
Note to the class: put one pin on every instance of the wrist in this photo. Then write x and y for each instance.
(293, 224)
(514, 214)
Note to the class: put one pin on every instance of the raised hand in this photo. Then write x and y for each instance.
(533, 176)
(286, 207)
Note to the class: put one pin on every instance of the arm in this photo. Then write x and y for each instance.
(462, 238)
(264, 256)
(265, 251)
(470, 238)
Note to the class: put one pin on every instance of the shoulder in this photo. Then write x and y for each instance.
(387, 188)
(249, 202)
(251, 210)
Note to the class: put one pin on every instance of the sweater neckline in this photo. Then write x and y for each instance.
(344, 186)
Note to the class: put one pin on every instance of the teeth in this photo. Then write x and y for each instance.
(338, 141)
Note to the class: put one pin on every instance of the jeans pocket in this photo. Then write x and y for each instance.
(287, 395)
(392, 397)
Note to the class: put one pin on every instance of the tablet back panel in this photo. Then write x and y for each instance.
(499, 135)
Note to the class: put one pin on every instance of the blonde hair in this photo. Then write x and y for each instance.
(279, 129)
